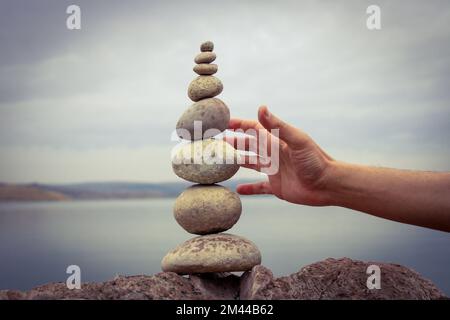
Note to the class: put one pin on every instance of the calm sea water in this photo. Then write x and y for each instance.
(39, 240)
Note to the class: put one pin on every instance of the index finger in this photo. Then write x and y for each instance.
(236, 123)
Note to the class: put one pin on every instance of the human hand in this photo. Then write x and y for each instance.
(303, 166)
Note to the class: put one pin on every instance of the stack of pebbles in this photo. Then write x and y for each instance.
(207, 209)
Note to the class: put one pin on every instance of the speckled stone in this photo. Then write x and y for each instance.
(212, 253)
(207, 46)
(205, 57)
(205, 161)
(213, 114)
(204, 87)
(205, 69)
(205, 209)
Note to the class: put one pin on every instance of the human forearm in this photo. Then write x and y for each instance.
(420, 198)
(306, 175)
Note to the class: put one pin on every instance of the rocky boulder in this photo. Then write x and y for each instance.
(328, 279)
(337, 279)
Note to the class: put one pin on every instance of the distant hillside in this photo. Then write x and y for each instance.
(28, 193)
(94, 191)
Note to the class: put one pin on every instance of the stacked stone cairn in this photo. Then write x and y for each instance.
(206, 208)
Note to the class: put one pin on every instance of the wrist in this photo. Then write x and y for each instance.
(336, 174)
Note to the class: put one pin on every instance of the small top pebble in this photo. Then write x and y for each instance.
(207, 46)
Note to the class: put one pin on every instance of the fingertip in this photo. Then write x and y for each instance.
(263, 112)
(228, 139)
(243, 189)
(233, 123)
(264, 117)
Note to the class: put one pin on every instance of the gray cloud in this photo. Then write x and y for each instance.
(121, 81)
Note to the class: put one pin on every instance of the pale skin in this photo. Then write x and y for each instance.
(309, 176)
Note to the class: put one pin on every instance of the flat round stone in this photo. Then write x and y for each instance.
(205, 161)
(205, 57)
(207, 46)
(205, 209)
(204, 87)
(205, 69)
(204, 119)
(220, 252)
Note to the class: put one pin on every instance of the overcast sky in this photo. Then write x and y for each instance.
(100, 103)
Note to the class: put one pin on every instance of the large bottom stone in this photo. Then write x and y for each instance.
(220, 252)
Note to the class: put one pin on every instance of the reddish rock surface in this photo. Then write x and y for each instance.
(338, 279)
(328, 279)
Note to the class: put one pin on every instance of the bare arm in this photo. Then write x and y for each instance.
(413, 197)
(307, 175)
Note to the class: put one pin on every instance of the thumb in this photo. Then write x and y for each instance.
(292, 136)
